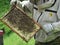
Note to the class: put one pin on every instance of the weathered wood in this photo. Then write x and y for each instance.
(20, 23)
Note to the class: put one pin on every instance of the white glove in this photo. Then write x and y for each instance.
(24, 3)
(56, 26)
(47, 28)
(12, 2)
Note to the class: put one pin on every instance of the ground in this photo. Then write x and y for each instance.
(10, 38)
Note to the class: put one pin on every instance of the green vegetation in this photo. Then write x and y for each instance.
(10, 38)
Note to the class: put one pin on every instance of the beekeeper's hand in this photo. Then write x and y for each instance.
(52, 28)
(48, 28)
(12, 2)
(24, 3)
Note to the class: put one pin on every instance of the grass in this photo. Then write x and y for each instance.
(14, 39)
(10, 38)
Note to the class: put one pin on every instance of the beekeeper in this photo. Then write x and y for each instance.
(47, 14)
